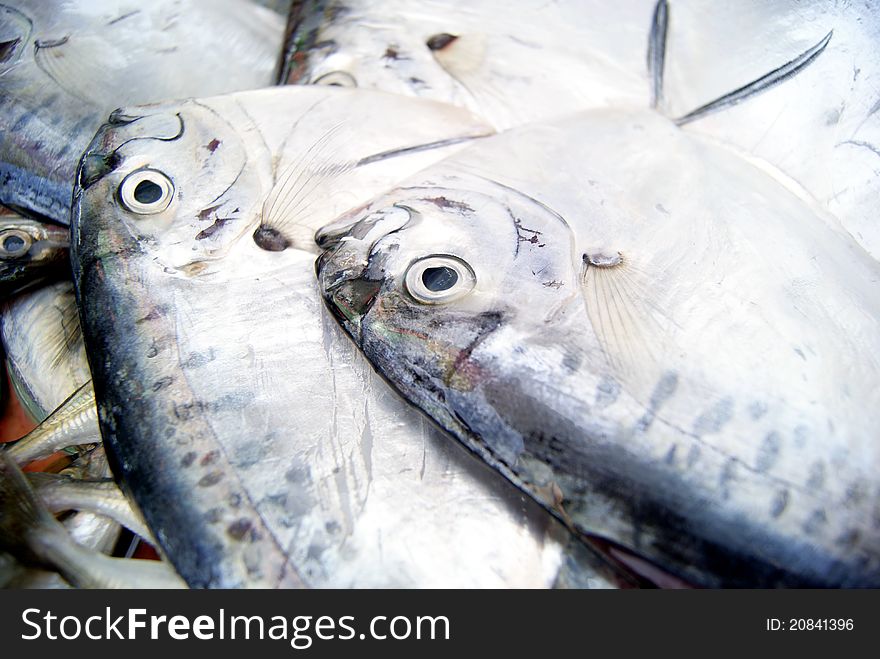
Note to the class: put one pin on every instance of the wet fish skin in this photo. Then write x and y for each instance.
(30, 252)
(664, 344)
(221, 365)
(67, 65)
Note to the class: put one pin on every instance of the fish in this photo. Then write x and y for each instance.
(30, 532)
(223, 385)
(45, 354)
(660, 340)
(509, 64)
(65, 66)
(536, 61)
(31, 252)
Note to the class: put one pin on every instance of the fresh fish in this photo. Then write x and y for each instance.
(30, 532)
(223, 386)
(65, 65)
(30, 252)
(44, 349)
(655, 338)
(512, 63)
(507, 62)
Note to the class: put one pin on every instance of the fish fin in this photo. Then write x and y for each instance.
(765, 82)
(71, 63)
(633, 332)
(66, 337)
(307, 180)
(657, 51)
(24, 515)
(73, 423)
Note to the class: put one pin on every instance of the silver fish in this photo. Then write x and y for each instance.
(65, 65)
(224, 387)
(660, 341)
(528, 61)
(30, 252)
(29, 531)
(45, 355)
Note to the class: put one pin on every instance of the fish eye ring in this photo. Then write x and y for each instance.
(14, 243)
(439, 278)
(336, 79)
(146, 191)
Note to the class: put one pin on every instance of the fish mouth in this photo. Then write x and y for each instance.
(348, 294)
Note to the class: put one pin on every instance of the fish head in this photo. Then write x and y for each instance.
(15, 32)
(426, 277)
(29, 250)
(175, 181)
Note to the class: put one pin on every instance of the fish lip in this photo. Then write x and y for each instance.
(348, 295)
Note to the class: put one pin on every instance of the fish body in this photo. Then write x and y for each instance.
(660, 341)
(290, 462)
(65, 66)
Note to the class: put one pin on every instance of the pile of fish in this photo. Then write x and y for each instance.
(441, 294)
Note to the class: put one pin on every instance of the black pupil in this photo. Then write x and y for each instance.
(12, 243)
(147, 192)
(439, 279)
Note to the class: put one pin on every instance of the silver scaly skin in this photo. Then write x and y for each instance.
(222, 384)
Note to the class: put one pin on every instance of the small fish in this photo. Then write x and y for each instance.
(30, 532)
(225, 387)
(65, 66)
(42, 340)
(655, 338)
(31, 252)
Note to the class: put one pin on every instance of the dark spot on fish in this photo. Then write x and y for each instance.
(856, 492)
(768, 452)
(800, 353)
(154, 314)
(757, 410)
(832, 117)
(239, 529)
(212, 146)
(779, 503)
(205, 214)
(315, 551)
(332, 527)
(124, 16)
(161, 383)
(270, 239)
(449, 204)
(119, 118)
(197, 360)
(210, 479)
(849, 538)
(416, 82)
(152, 352)
(96, 166)
(670, 455)
(209, 458)
(552, 284)
(714, 419)
(440, 41)
(572, 361)
(660, 208)
(664, 389)
(392, 53)
(188, 459)
(235, 500)
(815, 522)
(51, 43)
(607, 391)
(816, 479)
(728, 474)
(214, 515)
(7, 48)
(219, 223)
(693, 456)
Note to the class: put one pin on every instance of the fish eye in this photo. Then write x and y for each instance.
(14, 243)
(146, 191)
(336, 79)
(439, 278)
